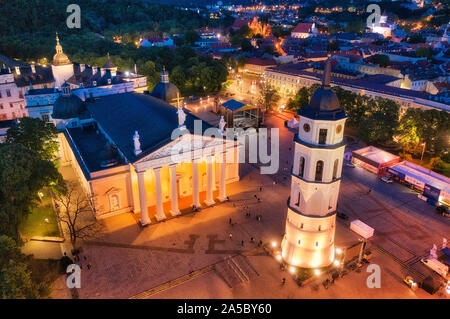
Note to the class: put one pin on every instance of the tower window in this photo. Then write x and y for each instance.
(322, 136)
(319, 171)
(301, 226)
(320, 227)
(317, 244)
(302, 166)
(299, 242)
(335, 168)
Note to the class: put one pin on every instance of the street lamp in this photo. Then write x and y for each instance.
(423, 150)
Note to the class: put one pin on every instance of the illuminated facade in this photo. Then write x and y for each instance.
(319, 149)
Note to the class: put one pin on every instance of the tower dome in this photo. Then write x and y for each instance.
(324, 99)
(60, 58)
(165, 90)
(68, 105)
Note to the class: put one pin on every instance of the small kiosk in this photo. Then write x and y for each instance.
(239, 115)
(374, 160)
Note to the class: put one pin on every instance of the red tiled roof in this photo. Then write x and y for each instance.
(303, 28)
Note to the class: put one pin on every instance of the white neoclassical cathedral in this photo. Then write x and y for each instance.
(319, 150)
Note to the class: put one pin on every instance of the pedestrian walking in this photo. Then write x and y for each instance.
(230, 221)
(89, 266)
(283, 281)
(231, 236)
(242, 243)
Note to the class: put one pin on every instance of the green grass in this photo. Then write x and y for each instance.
(35, 224)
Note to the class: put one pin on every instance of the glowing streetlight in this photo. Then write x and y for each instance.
(338, 251)
(278, 257)
(292, 269)
(336, 263)
(317, 272)
(274, 244)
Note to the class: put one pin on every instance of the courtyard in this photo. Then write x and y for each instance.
(188, 256)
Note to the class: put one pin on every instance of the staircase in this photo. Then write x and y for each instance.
(236, 270)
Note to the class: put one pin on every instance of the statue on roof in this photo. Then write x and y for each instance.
(222, 124)
(181, 117)
(137, 143)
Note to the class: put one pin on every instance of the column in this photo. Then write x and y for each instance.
(158, 193)
(222, 185)
(145, 220)
(209, 182)
(195, 185)
(174, 190)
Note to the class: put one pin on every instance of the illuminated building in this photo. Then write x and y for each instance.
(319, 149)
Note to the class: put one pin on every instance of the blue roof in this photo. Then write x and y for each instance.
(233, 105)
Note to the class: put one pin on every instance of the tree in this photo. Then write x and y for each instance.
(36, 135)
(22, 175)
(246, 45)
(381, 59)
(16, 280)
(75, 210)
(190, 37)
(425, 52)
(268, 96)
(380, 122)
(302, 97)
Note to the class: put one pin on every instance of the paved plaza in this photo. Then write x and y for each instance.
(128, 260)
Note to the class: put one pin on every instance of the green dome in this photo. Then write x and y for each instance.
(67, 107)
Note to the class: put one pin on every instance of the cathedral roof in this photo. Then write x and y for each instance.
(67, 107)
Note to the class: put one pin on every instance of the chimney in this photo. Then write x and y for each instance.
(33, 68)
(17, 70)
(82, 66)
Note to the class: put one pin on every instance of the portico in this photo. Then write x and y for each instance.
(198, 179)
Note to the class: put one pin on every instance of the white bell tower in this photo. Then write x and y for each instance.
(319, 151)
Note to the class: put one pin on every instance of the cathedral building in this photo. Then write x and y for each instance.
(319, 150)
(121, 148)
(86, 82)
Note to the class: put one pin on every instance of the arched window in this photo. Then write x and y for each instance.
(302, 166)
(322, 136)
(320, 227)
(319, 171)
(335, 168)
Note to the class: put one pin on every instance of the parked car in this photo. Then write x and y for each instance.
(386, 180)
(342, 216)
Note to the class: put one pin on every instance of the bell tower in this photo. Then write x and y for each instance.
(308, 241)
